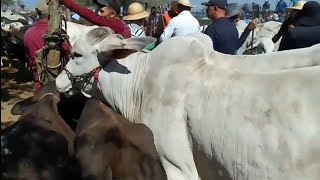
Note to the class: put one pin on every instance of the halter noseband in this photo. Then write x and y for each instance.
(80, 81)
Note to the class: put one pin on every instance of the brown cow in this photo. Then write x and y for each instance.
(108, 146)
(69, 108)
(33, 149)
(40, 144)
(44, 105)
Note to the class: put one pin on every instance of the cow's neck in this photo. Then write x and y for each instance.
(123, 89)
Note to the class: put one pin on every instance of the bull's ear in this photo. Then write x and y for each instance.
(118, 43)
(21, 107)
(138, 43)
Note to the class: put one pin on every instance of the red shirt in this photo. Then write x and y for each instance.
(117, 25)
(33, 42)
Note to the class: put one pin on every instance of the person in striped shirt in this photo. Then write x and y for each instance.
(136, 18)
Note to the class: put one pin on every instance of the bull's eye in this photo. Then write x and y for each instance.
(75, 54)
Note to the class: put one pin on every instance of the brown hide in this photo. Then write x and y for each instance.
(108, 146)
(44, 106)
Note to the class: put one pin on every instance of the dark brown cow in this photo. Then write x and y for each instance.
(33, 149)
(40, 144)
(44, 105)
(108, 146)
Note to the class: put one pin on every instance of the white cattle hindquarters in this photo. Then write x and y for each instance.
(258, 126)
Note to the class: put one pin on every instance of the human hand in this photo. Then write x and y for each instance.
(291, 26)
(252, 25)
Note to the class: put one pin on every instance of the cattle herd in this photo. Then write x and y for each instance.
(196, 114)
(45, 143)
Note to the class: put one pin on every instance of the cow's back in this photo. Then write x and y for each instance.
(128, 149)
(33, 149)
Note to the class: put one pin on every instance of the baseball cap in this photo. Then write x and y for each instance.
(115, 4)
(222, 4)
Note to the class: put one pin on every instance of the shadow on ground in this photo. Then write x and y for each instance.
(15, 82)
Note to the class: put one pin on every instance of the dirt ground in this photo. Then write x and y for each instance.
(15, 86)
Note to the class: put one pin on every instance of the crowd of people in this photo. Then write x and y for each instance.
(265, 13)
(178, 21)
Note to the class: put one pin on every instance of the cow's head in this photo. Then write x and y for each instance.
(96, 49)
(25, 106)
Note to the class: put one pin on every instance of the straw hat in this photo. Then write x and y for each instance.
(297, 6)
(174, 4)
(42, 9)
(310, 14)
(135, 12)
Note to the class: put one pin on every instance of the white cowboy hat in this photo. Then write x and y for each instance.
(174, 4)
(297, 6)
(135, 12)
(42, 8)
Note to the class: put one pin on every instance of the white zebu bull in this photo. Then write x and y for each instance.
(263, 35)
(10, 21)
(74, 31)
(258, 116)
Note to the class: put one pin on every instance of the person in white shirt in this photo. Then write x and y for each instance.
(183, 24)
(136, 18)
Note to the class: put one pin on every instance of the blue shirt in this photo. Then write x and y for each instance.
(224, 36)
(281, 7)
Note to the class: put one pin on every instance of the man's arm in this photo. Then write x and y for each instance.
(282, 30)
(168, 31)
(251, 26)
(84, 12)
(92, 17)
(243, 37)
(211, 33)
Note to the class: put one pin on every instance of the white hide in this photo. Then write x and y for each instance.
(75, 31)
(9, 27)
(14, 17)
(258, 116)
(263, 35)
(11, 16)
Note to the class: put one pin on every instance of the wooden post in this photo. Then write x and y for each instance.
(54, 16)
(68, 14)
(53, 56)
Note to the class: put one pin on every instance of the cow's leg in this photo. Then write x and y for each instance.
(169, 128)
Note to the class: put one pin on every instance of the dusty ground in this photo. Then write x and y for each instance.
(15, 86)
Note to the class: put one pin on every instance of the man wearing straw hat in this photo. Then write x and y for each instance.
(305, 32)
(136, 17)
(289, 22)
(183, 24)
